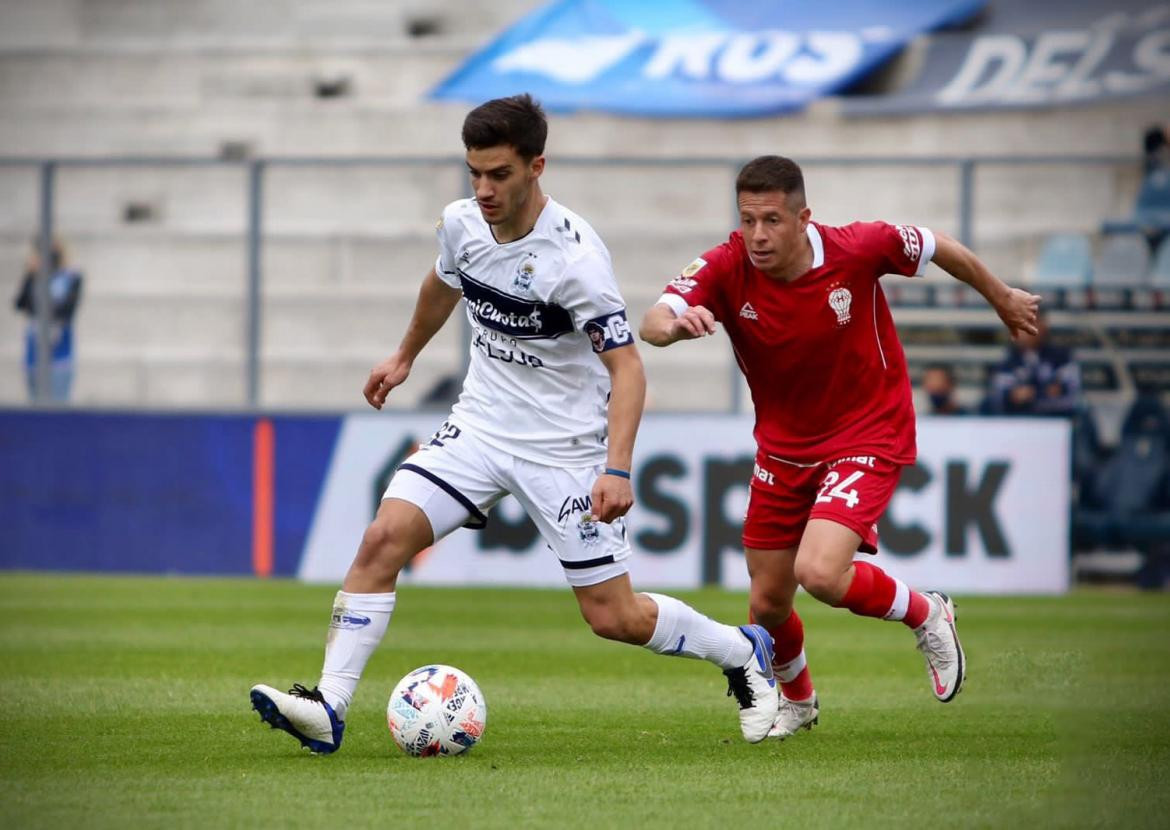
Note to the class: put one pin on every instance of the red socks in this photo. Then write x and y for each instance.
(874, 593)
(789, 663)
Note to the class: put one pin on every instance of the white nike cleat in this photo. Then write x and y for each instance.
(754, 686)
(794, 715)
(946, 666)
(302, 713)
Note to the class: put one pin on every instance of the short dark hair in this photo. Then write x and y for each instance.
(517, 121)
(945, 368)
(769, 174)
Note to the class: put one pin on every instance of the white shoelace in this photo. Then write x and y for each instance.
(932, 644)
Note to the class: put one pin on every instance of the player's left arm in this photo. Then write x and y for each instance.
(613, 494)
(1015, 307)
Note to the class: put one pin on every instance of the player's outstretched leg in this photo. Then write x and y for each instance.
(669, 626)
(799, 707)
(825, 567)
(361, 614)
(772, 593)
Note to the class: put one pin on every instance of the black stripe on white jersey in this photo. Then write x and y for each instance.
(514, 316)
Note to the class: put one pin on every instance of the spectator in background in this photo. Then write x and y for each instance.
(1036, 378)
(64, 296)
(1156, 144)
(938, 382)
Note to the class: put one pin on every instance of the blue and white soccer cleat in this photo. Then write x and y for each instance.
(302, 713)
(754, 686)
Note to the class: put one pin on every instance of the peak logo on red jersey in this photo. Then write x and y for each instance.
(839, 300)
(911, 247)
(748, 312)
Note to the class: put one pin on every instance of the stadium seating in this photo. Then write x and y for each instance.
(1121, 270)
(344, 245)
(1160, 272)
(1063, 270)
(1130, 498)
(1152, 211)
(1124, 260)
(1065, 261)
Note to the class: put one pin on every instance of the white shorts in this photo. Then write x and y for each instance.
(455, 479)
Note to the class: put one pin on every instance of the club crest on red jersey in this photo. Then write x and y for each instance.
(839, 300)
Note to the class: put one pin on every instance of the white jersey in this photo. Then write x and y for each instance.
(541, 309)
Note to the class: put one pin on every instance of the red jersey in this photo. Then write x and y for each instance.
(820, 353)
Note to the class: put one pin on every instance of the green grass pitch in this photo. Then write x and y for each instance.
(126, 705)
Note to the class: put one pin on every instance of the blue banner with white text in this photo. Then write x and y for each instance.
(702, 58)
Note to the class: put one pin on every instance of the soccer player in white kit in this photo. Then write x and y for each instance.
(548, 413)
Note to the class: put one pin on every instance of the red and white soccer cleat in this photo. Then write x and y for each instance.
(946, 666)
(795, 715)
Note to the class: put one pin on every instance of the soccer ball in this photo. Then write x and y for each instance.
(436, 710)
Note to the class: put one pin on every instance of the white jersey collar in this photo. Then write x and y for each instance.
(818, 245)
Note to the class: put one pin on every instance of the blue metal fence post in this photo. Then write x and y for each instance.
(255, 229)
(42, 388)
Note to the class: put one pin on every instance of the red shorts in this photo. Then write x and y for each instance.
(852, 491)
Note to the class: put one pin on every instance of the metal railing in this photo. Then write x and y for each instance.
(256, 170)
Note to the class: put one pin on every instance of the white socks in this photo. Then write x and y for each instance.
(357, 626)
(684, 632)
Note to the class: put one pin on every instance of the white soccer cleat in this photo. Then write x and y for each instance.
(946, 666)
(754, 686)
(794, 715)
(302, 713)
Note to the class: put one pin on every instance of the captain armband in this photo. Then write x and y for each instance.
(609, 331)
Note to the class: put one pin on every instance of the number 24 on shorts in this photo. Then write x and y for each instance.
(838, 491)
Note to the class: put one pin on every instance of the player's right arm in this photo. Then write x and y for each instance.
(690, 306)
(436, 301)
(661, 325)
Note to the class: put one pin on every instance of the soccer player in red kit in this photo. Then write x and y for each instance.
(834, 418)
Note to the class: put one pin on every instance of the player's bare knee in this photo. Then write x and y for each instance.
(384, 549)
(818, 579)
(768, 609)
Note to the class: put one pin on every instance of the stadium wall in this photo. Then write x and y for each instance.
(985, 510)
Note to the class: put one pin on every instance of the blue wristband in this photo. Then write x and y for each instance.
(610, 471)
